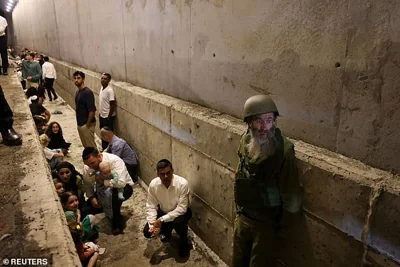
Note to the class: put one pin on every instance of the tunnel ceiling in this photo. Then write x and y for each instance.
(3, 6)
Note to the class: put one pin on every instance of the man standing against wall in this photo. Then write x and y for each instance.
(3, 45)
(49, 75)
(85, 111)
(266, 185)
(31, 71)
(106, 105)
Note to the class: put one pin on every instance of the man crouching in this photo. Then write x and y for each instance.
(167, 206)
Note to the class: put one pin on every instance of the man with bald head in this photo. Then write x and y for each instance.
(122, 149)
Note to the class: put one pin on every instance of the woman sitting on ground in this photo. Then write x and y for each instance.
(54, 132)
(71, 179)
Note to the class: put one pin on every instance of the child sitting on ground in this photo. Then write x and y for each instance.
(59, 187)
(54, 156)
(108, 174)
(87, 252)
(70, 205)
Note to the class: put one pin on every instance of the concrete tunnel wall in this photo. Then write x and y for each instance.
(331, 66)
(202, 146)
(96, 36)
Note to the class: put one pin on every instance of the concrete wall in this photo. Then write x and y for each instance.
(202, 146)
(331, 66)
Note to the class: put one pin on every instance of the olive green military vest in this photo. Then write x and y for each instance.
(257, 179)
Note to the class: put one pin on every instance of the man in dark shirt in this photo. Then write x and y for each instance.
(85, 111)
(37, 108)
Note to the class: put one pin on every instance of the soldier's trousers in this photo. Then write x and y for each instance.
(6, 114)
(255, 244)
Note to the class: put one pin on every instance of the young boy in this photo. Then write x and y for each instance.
(53, 156)
(108, 174)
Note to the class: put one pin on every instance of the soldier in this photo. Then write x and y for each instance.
(266, 185)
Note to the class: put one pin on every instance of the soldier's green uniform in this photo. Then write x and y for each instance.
(264, 188)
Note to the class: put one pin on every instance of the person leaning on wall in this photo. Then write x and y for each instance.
(267, 188)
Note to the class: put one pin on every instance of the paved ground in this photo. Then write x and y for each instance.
(131, 248)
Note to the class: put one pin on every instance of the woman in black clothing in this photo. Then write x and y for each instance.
(54, 132)
(72, 180)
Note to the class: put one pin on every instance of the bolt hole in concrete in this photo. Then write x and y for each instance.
(337, 65)
(172, 51)
(213, 55)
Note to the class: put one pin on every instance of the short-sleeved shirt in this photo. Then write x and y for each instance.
(106, 95)
(84, 101)
(48, 153)
(36, 109)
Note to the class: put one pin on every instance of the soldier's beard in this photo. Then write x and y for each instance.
(262, 146)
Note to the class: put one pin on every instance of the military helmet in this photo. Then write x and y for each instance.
(259, 104)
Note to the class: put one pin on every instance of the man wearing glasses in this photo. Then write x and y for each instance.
(266, 185)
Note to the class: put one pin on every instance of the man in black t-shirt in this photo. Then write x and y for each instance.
(37, 108)
(85, 111)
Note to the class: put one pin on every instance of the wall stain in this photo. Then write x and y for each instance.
(143, 3)
(179, 4)
(161, 5)
(128, 4)
(216, 3)
(200, 45)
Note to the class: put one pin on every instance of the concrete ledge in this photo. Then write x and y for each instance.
(41, 209)
(385, 227)
(202, 144)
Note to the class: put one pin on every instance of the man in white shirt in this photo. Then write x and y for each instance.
(167, 206)
(49, 74)
(3, 45)
(105, 198)
(106, 105)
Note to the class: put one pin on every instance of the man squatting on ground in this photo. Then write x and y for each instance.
(105, 199)
(167, 206)
(267, 188)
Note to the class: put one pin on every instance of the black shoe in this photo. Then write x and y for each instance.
(5, 73)
(184, 248)
(14, 132)
(55, 98)
(116, 231)
(11, 138)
